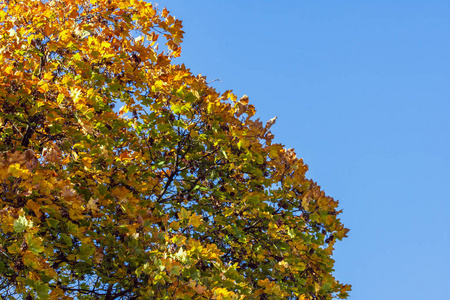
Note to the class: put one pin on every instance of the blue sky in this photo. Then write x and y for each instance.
(362, 92)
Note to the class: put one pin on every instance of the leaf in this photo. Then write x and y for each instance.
(42, 290)
(270, 123)
(14, 249)
(29, 260)
(67, 240)
(65, 35)
(92, 205)
(60, 99)
(176, 270)
(195, 220)
(184, 214)
(17, 171)
(181, 255)
(22, 223)
(35, 244)
(35, 207)
(200, 289)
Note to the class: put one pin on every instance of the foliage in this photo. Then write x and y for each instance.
(180, 194)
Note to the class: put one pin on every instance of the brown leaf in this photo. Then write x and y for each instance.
(140, 220)
(200, 289)
(270, 123)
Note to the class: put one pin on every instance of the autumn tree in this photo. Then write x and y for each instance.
(178, 194)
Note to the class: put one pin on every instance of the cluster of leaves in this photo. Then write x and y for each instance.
(180, 194)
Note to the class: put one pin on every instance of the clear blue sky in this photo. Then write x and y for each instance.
(362, 92)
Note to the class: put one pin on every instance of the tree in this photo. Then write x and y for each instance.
(180, 194)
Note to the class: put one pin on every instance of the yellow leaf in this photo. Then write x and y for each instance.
(29, 260)
(60, 98)
(105, 44)
(77, 57)
(48, 76)
(9, 69)
(50, 272)
(18, 172)
(195, 220)
(175, 225)
(92, 204)
(43, 87)
(222, 293)
(14, 249)
(87, 162)
(30, 38)
(2, 15)
(65, 35)
(305, 203)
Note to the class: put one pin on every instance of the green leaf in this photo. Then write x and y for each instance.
(176, 270)
(253, 199)
(42, 290)
(55, 128)
(326, 287)
(35, 244)
(22, 223)
(67, 240)
(190, 97)
(184, 214)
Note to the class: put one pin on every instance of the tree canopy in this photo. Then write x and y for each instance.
(125, 176)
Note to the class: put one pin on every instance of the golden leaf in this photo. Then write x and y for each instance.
(195, 220)
(35, 207)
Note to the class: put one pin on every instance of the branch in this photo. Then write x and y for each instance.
(5, 254)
